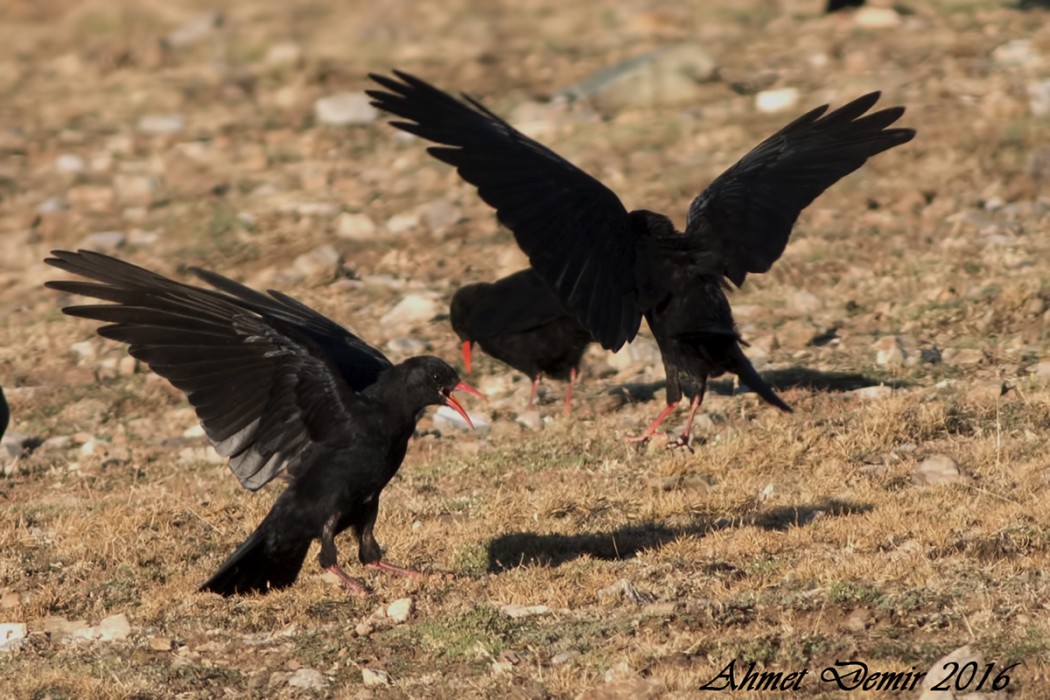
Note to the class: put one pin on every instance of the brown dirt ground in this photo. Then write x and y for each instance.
(788, 540)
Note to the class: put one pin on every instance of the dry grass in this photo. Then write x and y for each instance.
(789, 540)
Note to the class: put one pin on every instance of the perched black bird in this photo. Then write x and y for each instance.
(609, 266)
(278, 388)
(519, 321)
(5, 413)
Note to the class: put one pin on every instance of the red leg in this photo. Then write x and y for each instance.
(568, 394)
(532, 394)
(695, 404)
(351, 584)
(399, 570)
(651, 430)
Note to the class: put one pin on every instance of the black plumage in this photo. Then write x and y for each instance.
(611, 267)
(519, 321)
(279, 389)
(5, 413)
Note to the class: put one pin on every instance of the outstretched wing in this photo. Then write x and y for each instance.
(574, 229)
(268, 394)
(744, 217)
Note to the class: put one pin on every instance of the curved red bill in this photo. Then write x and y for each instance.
(455, 405)
(466, 355)
(463, 386)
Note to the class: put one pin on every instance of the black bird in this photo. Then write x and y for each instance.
(277, 387)
(611, 267)
(519, 321)
(5, 413)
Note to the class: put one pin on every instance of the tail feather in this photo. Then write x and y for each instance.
(266, 560)
(746, 371)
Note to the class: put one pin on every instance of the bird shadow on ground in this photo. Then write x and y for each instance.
(518, 549)
(780, 379)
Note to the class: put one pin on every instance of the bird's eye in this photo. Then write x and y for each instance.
(436, 377)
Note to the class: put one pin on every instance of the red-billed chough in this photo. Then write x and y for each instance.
(519, 321)
(611, 267)
(278, 388)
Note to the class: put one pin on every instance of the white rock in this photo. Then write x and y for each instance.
(345, 108)
(439, 213)
(943, 666)
(161, 124)
(400, 223)
(1040, 369)
(407, 346)
(194, 30)
(413, 308)
(68, 163)
(104, 241)
(355, 227)
(284, 54)
(871, 17)
(778, 100)
(308, 678)
(323, 262)
(135, 190)
(804, 302)
(641, 351)
(872, 393)
(889, 352)
(530, 420)
(113, 628)
(446, 418)
(11, 636)
(937, 469)
(515, 611)
(1018, 53)
(1039, 98)
(564, 657)
(84, 350)
(374, 677)
(401, 609)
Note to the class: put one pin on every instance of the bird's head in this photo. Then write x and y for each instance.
(430, 381)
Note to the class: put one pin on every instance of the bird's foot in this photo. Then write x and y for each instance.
(676, 442)
(352, 585)
(399, 570)
(640, 438)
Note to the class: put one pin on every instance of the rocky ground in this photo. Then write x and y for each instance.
(896, 517)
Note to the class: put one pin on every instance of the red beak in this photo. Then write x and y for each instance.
(466, 355)
(451, 402)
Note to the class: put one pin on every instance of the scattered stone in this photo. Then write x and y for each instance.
(284, 54)
(871, 17)
(374, 677)
(530, 420)
(52, 205)
(889, 352)
(12, 635)
(113, 628)
(71, 164)
(872, 393)
(936, 470)
(1039, 98)
(1018, 53)
(193, 31)
(1040, 370)
(308, 679)
(639, 352)
(804, 302)
(624, 590)
(963, 357)
(345, 108)
(858, 620)
(446, 418)
(564, 657)
(439, 214)
(401, 609)
(104, 241)
(160, 644)
(161, 124)
(516, 612)
(778, 100)
(10, 599)
(355, 227)
(323, 262)
(666, 77)
(135, 190)
(364, 628)
(401, 223)
(413, 308)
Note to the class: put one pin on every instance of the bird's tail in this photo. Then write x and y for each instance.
(268, 559)
(746, 371)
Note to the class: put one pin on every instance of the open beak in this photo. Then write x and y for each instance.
(466, 355)
(455, 405)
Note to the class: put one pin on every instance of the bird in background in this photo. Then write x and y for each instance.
(611, 267)
(279, 389)
(519, 321)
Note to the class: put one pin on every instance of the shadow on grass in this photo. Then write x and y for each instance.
(517, 549)
(779, 379)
